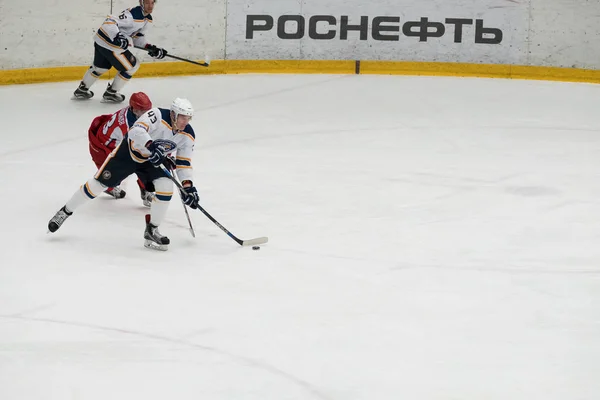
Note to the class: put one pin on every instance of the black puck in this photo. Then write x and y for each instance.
(255, 247)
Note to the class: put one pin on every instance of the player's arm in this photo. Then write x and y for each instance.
(153, 51)
(185, 171)
(183, 161)
(139, 38)
(139, 139)
(110, 30)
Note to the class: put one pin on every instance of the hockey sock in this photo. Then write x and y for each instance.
(164, 192)
(92, 75)
(88, 191)
(118, 83)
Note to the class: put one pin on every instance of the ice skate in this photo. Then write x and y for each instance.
(82, 93)
(147, 197)
(153, 239)
(116, 192)
(58, 219)
(112, 96)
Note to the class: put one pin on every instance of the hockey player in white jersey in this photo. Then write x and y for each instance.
(111, 43)
(155, 135)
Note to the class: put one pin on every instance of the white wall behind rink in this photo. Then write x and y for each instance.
(50, 33)
(563, 33)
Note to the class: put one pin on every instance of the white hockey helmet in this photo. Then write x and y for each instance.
(182, 107)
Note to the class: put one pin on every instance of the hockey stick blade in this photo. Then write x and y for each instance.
(251, 242)
(255, 242)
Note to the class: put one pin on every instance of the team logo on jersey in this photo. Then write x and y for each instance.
(106, 175)
(167, 145)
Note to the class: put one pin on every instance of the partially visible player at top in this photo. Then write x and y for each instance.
(107, 131)
(111, 49)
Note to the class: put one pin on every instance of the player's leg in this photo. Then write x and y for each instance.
(117, 166)
(100, 66)
(158, 209)
(127, 65)
(116, 191)
(146, 188)
(164, 193)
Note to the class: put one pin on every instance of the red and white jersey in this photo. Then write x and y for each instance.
(111, 128)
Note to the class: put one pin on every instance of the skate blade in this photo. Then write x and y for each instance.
(80, 98)
(111, 101)
(147, 203)
(113, 196)
(149, 244)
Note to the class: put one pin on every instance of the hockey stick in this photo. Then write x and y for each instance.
(251, 242)
(169, 145)
(187, 215)
(204, 64)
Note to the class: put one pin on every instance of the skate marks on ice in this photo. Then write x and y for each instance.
(240, 360)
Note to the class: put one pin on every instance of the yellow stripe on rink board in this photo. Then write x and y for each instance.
(289, 66)
(153, 69)
(479, 70)
(39, 75)
(247, 66)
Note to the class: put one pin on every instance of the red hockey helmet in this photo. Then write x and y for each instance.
(140, 101)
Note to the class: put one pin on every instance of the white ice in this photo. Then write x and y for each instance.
(430, 238)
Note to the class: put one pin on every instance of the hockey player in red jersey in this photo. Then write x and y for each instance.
(107, 131)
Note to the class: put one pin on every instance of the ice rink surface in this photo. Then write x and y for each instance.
(430, 238)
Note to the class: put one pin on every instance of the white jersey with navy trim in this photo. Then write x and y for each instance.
(156, 124)
(132, 23)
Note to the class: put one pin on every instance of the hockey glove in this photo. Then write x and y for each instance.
(156, 52)
(157, 154)
(121, 41)
(190, 196)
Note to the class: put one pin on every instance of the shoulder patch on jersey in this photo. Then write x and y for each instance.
(166, 115)
(142, 125)
(131, 118)
(190, 131)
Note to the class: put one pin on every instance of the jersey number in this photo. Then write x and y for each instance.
(109, 124)
(152, 116)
